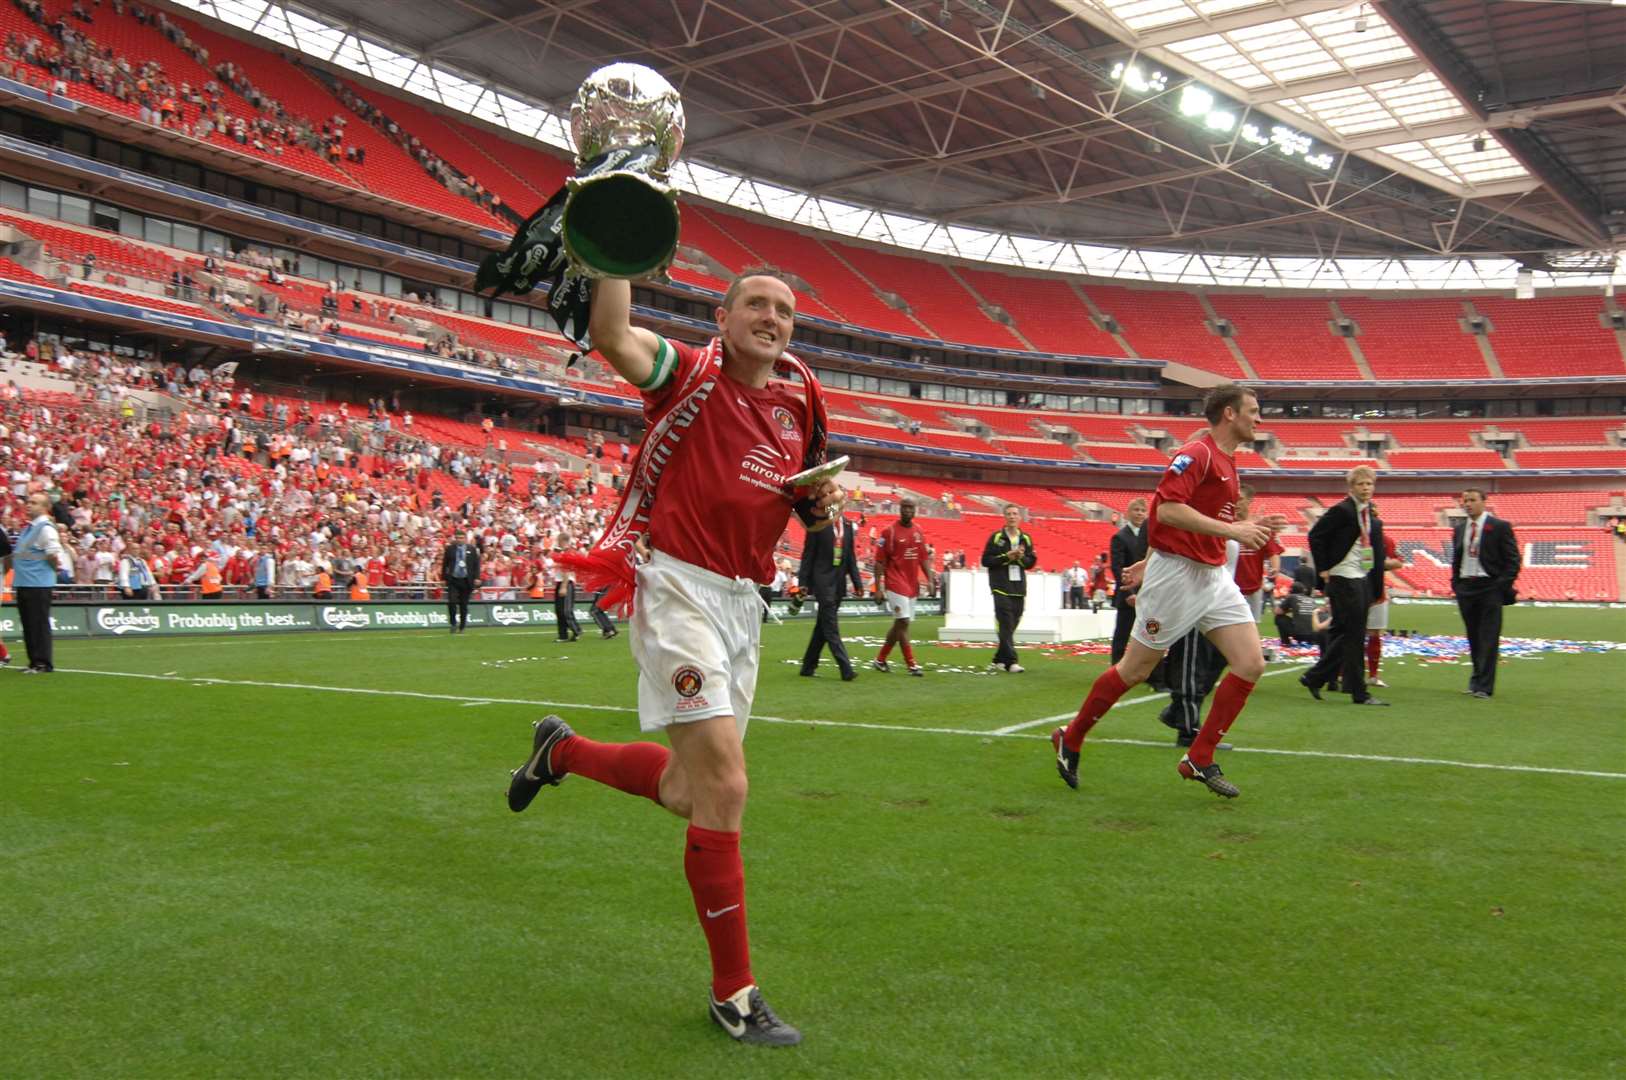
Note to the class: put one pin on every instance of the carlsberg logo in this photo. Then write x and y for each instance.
(340, 619)
(510, 616)
(116, 621)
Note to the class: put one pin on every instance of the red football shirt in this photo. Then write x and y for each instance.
(1250, 566)
(720, 502)
(1204, 478)
(903, 549)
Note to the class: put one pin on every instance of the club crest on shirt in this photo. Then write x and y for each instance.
(1152, 627)
(1180, 464)
(787, 423)
(687, 681)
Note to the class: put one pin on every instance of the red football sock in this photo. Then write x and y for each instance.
(1228, 701)
(5, 654)
(886, 650)
(908, 650)
(1374, 653)
(711, 862)
(635, 768)
(1108, 688)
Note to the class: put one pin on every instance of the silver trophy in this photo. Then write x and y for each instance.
(621, 216)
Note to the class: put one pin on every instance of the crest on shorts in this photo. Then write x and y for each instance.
(1152, 627)
(786, 422)
(687, 681)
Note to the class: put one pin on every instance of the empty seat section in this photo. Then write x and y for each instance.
(1287, 337)
(1414, 339)
(1126, 455)
(851, 300)
(1614, 458)
(750, 244)
(1566, 432)
(1035, 448)
(935, 298)
(1559, 335)
(1165, 325)
(1459, 460)
(1046, 311)
(1428, 432)
(10, 271)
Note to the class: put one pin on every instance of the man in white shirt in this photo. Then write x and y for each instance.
(34, 563)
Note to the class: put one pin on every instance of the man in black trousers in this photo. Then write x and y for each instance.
(1485, 565)
(1008, 556)
(1342, 544)
(460, 570)
(829, 562)
(1128, 548)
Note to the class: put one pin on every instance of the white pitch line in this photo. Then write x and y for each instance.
(856, 724)
(1012, 729)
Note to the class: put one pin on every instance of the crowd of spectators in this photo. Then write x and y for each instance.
(333, 498)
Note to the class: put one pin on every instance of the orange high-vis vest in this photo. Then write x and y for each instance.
(537, 589)
(358, 586)
(211, 578)
(324, 582)
(6, 596)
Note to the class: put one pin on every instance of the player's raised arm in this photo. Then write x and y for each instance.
(630, 349)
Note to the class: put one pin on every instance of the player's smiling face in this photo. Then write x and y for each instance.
(758, 325)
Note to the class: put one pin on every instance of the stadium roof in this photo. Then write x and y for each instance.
(1322, 142)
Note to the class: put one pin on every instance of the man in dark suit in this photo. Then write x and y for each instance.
(1342, 545)
(1485, 566)
(829, 562)
(460, 570)
(1128, 548)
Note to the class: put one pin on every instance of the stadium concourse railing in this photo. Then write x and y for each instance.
(156, 618)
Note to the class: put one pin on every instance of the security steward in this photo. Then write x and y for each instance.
(1008, 556)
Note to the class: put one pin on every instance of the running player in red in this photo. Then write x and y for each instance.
(900, 551)
(1185, 586)
(708, 498)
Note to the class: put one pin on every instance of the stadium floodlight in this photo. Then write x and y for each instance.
(1219, 120)
(1134, 77)
(1195, 101)
(1288, 141)
(1322, 160)
(1252, 134)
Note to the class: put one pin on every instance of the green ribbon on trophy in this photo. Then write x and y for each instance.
(617, 217)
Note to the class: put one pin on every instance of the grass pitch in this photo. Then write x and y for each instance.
(239, 868)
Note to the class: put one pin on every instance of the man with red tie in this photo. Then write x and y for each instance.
(1485, 566)
(1346, 545)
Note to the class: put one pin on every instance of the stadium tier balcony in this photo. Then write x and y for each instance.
(1287, 338)
(1340, 463)
(1035, 448)
(1422, 433)
(1125, 455)
(1017, 422)
(1414, 338)
(1045, 310)
(1553, 336)
(936, 299)
(13, 272)
(1166, 325)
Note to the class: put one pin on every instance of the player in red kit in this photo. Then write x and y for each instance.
(900, 551)
(708, 497)
(1185, 585)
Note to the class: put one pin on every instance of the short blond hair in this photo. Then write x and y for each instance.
(1137, 501)
(1361, 472)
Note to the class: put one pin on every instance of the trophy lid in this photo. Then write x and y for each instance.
(625, 105)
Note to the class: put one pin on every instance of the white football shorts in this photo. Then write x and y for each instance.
(901, 606)
(1377, 616)
(1178, 596)
(694, 635)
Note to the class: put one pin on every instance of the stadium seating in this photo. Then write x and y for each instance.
(1286, 337)
(936, 300)
(1614, 458)
(1166, 325)
(1414, 338)
(1555, 336)
(1045, 310)
(1457, 460)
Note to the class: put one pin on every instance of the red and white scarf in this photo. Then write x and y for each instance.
(612, 562)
